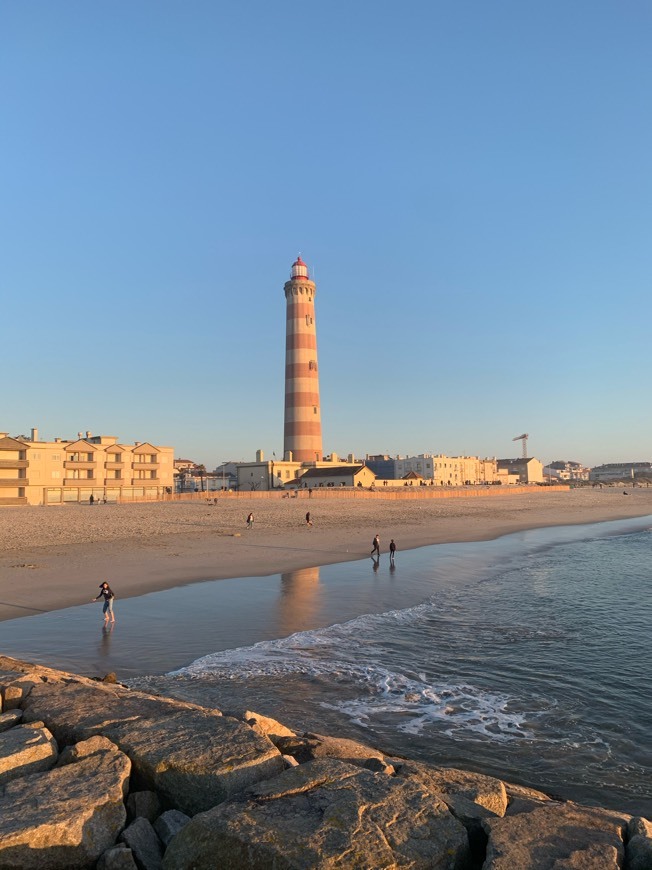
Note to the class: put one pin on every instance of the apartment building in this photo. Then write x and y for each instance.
(439, 469)
(53, 472)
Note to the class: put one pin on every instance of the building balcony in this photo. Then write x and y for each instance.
(114, 481)
(142, 466)
(81, 464)
(13, 500)
(114, 463)
(14, 481)
(146, 481)
(80, 481)
(14, 463)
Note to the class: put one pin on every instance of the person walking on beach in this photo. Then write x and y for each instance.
(375, 545)
(107, 594)
(392, 550)
(308, 520)
(250, 521)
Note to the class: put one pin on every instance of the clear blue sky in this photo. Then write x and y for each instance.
(469, 181)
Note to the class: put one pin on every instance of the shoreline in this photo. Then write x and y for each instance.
(55, 558)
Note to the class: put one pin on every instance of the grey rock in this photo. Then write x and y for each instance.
(522, 799)
(66, 817)
(265, 726)
(83, 749)
(309, 747)
(146, 847)
(639, 827)
(452, 784)
(379, 765)
(117, 858)
(168, 825)
(556, 836)
(592, 857)
(144, 804)
(14, 691)
(639, 853)
(324, 814)
(26, 749)
(193, 757)
(9, 719)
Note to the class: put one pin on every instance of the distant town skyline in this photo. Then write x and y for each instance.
(469, 185)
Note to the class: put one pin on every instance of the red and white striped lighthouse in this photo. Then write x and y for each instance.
(302, 435)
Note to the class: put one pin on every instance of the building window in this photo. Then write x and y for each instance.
(56, 457)
(308, 320)
(314, 410)
(56, 474)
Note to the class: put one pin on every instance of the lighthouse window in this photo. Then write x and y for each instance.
(312, 365)
(308, 320)
(314, 410)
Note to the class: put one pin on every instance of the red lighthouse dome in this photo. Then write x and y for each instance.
(299, 269)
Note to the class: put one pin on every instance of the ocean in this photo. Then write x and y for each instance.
(528, 657)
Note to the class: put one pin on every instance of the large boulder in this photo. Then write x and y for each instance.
(453, 784)
(26, 749)
(471, 797)
(324, 814)
(195, 758)
(559, 836)
(66, 817)
(145, 846)
(639, 846)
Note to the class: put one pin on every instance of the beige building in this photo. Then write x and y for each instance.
(338, 475)
(527, 470)
(53, 472)
(445, 470)
(265, 474)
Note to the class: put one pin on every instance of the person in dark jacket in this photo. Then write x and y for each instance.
(107, 594)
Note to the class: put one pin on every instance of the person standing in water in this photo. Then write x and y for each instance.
(392, 550)
(107, 594)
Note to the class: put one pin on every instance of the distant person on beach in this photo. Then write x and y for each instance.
(308, 520)
(91, 500)
(392, 549)
(375, 545)
(107, 594)
(250, 521)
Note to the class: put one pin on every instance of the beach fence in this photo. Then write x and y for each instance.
(57, 495)
(419, 493)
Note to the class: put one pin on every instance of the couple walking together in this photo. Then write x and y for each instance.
(375, 547)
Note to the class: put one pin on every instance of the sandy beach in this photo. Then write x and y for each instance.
(55, 557)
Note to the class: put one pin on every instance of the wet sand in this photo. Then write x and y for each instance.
(55, 557)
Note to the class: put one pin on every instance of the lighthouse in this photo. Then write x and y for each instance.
(302, 433)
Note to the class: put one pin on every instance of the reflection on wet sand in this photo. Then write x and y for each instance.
(299, 600)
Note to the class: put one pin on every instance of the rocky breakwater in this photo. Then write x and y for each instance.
(97, 775)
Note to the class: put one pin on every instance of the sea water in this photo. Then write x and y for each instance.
(535, 666)
(528, 657)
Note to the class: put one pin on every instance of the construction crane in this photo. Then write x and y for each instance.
(523, 438)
